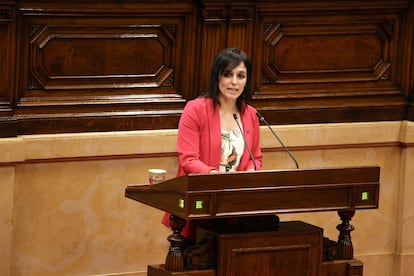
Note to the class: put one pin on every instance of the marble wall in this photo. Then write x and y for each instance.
(63, 209)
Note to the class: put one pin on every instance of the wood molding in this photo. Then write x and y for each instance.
(76, 67)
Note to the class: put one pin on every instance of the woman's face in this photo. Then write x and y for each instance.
(232, 83)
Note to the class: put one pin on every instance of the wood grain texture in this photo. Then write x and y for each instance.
(125, 65)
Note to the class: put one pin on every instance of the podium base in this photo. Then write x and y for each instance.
(352, 267)
(294, 248)
(159, 270)
(333, 268)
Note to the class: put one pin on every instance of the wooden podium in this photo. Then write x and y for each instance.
(249, 197)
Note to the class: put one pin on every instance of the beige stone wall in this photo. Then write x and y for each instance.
(63, 210)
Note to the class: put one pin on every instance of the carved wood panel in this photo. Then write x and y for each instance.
(342, 59)
(5, 20)
(101, 57)
(7, 51)
(93, 65)
(223, 25)
(118, 71)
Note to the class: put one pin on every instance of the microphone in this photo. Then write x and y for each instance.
(244, 138)
(262, 119)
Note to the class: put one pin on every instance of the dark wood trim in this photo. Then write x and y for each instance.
(76, 67)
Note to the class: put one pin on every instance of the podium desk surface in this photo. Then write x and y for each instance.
(203, 196)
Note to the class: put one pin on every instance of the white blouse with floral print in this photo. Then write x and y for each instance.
(232, 147)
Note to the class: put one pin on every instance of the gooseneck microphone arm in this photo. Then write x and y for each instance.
(262, 119)
(244, 138)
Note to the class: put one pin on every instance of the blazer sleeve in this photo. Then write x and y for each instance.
(188, 140)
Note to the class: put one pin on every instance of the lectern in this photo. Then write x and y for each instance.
(251, 196)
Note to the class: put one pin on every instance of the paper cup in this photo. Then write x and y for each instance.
(156, 176)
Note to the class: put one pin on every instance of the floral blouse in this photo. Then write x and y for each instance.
(232, 148)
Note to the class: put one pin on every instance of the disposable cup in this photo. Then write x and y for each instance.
(156, 176)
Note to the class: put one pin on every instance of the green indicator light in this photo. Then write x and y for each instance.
(199, 204)
(181, 203)
(364, 195)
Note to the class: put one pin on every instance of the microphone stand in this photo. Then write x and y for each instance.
(262, 119)
(244, 138)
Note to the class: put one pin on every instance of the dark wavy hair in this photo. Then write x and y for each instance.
(227, 60)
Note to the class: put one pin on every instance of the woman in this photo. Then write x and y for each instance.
(209, 138)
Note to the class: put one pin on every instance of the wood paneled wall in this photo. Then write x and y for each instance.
(77, 66)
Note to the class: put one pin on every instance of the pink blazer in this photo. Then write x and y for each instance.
(199, 145)
(199, 138)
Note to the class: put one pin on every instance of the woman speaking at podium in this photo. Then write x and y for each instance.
(219, 132)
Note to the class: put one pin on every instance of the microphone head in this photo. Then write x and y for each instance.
(235, 116)
(261, 118)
